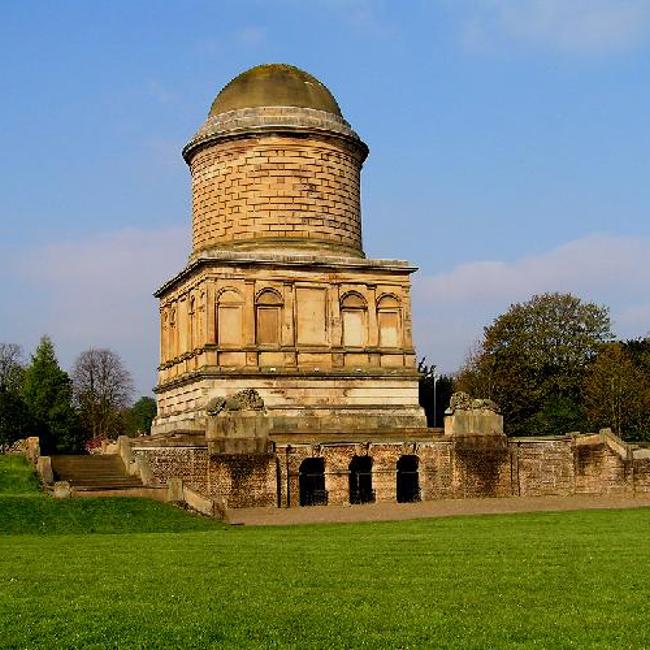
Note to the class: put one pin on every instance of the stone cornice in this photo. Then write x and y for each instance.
(220, 372)
(216, 258)
(266, 120)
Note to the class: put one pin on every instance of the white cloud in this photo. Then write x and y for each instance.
(452, 308)
(578, 26)
(96, 292)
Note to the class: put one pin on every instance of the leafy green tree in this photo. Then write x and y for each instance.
(47, 391)
(533, 360)
(639, 350)
(14, 419)
(617, 393)
(140, 416)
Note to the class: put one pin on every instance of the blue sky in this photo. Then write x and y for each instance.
(509, 153)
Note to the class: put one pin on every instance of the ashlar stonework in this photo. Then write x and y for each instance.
(287, 371)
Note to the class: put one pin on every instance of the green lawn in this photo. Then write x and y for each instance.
(17, 477)
(24, 509)
(579, 579)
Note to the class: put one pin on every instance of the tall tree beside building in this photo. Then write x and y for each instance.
(617, 393)
(102, 391)
(47, 391)
(533, 361)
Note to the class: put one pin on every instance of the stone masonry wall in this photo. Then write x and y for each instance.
(187, 463)
(544, 467)
(447, 469)
(600, 471)
(243, 481)
(276, 187)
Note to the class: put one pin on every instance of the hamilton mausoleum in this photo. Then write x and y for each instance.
(287, 373)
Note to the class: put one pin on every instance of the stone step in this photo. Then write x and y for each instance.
(113, 483)
(93, 472)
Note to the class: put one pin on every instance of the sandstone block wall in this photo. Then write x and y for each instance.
(542, 467)
(234, 481)
(447, 469)
(598, 470)
(274, 188)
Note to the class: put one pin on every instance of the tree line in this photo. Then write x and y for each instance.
(553, 365)
(66, 411)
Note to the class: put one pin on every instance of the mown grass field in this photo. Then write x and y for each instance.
(167, 579)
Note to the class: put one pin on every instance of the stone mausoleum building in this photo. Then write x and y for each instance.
(287, 370)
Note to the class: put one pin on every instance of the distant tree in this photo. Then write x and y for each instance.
(639, 350)
(102, 391)
(140, 416)
(434, 392)
(11, 365)
(617, 393)
(47, 391)
(14, 419)
(533, 360)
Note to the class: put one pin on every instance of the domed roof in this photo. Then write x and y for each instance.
(275, 84)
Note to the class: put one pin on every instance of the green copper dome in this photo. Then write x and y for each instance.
(274, 84)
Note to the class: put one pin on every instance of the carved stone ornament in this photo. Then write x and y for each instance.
(463, 402)
(245, 400)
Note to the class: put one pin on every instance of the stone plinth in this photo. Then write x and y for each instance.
(239, 433)
(474, 422)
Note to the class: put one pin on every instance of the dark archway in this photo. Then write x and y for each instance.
(361, 480)
(312, 482)
(408, 479)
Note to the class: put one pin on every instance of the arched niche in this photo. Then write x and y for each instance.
(408, 479)
(389, 321)
(311, 481)
(354, 315)
(230, 321)
(360, 477)
(268, 317)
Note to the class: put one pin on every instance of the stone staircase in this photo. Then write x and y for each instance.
(94, 473)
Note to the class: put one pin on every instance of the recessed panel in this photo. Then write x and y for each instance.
(311, 319)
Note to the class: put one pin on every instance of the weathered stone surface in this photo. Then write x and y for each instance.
(461, 401)
(32, 449)
(245, 400)
(489, 466)
(474, 422)
(62, 490)
(175, 490)
(44, 470)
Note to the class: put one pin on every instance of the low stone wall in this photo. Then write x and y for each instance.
(234, 480)
(447, 467)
